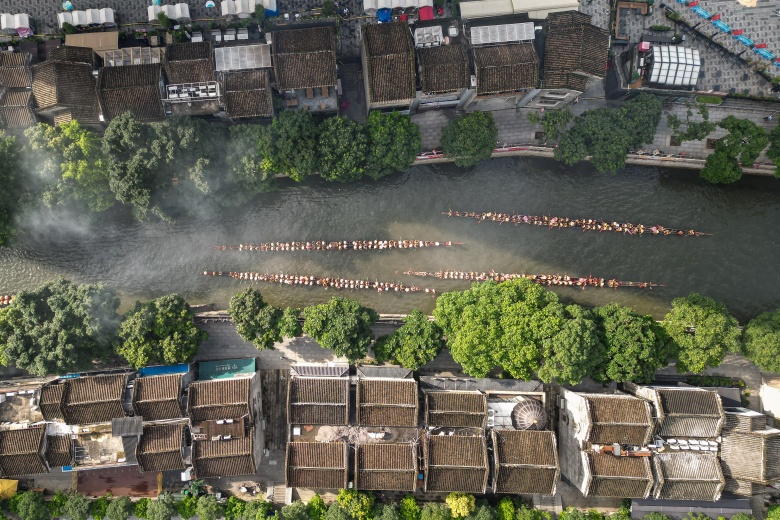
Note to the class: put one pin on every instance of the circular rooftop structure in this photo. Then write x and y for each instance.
(529, 415)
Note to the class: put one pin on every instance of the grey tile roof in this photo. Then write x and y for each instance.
(455, 463)
(21, 452)
(390, 63)
(247, 93)
(444, 68)
(304, 58)
(525, 462)
(224, 458)
(94, 399)
(573, 45)
(160, 447)
(386, 466)
(623, 419)
(313, 400)
(318, 465)
(686, 475)
(131, 88)
(218, 399)
(387, 402)
(620, 477)
(157, 397)
(506, 68)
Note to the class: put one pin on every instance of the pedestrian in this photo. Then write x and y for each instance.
(769, 117)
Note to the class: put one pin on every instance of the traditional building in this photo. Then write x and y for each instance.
(247, 93)
(525, 462)
(192, 87)
(387, 402)
(389, 74)
(157, 398)
(137, 89)
(687, 475)
(444, 66)
(318, 400)
(161, 447)
(455, 409)
(305, 67)
(386, 466)
(455, 463)
(229, 456)
(686, 412)
(750, 452)
(16, 100)
(86, 399)
(317, 465)
(22, 452)
(64, 87)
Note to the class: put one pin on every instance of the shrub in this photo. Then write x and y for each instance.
(461, 504)
(316, 507)
(411, 511)
(295, 511)
(208, 508)
(470, 139)
(234, 508)
(76, 508)
(712, 100)
(660, 28)
(99, 508)
(186, 507)
(32, 506)
(57, 503)
(141, 508)
(119, 509)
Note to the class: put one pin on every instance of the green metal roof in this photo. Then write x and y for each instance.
(225, 368)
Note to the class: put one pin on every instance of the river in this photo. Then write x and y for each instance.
(737, 266)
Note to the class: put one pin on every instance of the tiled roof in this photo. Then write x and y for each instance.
(506, 68)
(456, 409)
(72, 54)
(455, 463)
(95, 399)
(20, 452)
(15, 69)
(574, 45)
(624, 477)
(58, 84)
(157, 397)
(224, 458)
(567, 80)
(623, 419)
(304, 58)
(59, 451)
(753, 457)
(189, 63)
(133, 88)
(743, 487)
(390, 63)
(318, 401)
(318, 465)
(444, 68)
(744, 422)
(16, 109)
(689, 413)
(160, 447)
(218, 399)
(525, 462)
(384, 402)
(567, 18)
(386, 466)
(247, 93)
(51, 401)
(687, 476)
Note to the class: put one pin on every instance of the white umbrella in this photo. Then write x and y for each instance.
(107, 17)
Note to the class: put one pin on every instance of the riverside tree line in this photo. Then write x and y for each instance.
(516, 329)
(349, 505)
(166, 170)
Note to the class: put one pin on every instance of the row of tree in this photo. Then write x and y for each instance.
(349, 505)
(64, 327)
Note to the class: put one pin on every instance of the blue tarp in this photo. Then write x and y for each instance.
(701, 12)
(764, 54)
(744, 40)
(384, 15)
(721, 26)
(160, 370)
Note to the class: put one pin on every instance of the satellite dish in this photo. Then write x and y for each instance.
(529, 415)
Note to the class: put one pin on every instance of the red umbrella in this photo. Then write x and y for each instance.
(715, 17)
(737, 32)
(761, 46)
(694, 3)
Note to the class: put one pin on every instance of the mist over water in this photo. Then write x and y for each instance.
(737, 266)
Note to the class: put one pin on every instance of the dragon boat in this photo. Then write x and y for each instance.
(327, 282)
(541, 279)
(348, 245)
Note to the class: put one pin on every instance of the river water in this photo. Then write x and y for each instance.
(737, 266)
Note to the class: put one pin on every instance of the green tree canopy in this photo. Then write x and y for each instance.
(743, 144)
(336, 512)
(187, 506)
(393, 143)
(289, 323)
(506, 509)
(59, 327)
(636, 346)
(761, 341)
(553, 122)
(255, 321)
(694, 130)
(359, 505)
(295, 511)
(343, 147)
(57, 504)
(573, 351)
(208, 508)
(99, 507)
(470, 139)
(341, 325)
(32, 506)
(316, 507)
(10, 180)
(435, 511)
(483, 512)
(721, 168)
(387, 512)
(702, 331)
(119, 509)
(234, 508)
(256, 510)
(160, 331)
(161, 509)
(409, 509)
(74, 160)
(644, 113)
(461, 504)
(413, 345)
(245, 160)
(291, 146)
(656, 516)
(141, 509)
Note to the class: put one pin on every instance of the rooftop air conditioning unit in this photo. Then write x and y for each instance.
(473, 81)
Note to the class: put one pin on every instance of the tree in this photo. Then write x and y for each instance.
(694, 130)
(409, 509)
(572, 513)
(260, 14)
(119, 509)
(470, 139)
(702, 331)
(10, 180)
(644, 114)
(328, 8)
(289, 323)
(343, 147)
(186, 507)
(774, 512)
(529, 513)
(68, 28)
(57, 504)
(359, 505)
(255, 320)
(435, 511)
(387, 512)
(461, 504)
(59, 327)
(393, 143)
(506, 509)
(604, 134)
(636, 346)
(743, 516)
(161, 509)
(161, 331)
(208, 508)
(245, 160)
(234, 508)
(291, 146)
(414, 344)
(99, 507)
(141, 509)
(483, 512)
(316, 507)
(720, 168)
(774, 148)
(74, 160)
(656, 516)
(164, 21)
(32, 506)
(336, 512)
(341, 325)
(761, 341)
(295, 511)
(573, 351)
(553, 122)
(256, 510)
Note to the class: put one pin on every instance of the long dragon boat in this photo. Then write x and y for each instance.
(321, 245)
(541, 279)
(599, 225)
(328, 282)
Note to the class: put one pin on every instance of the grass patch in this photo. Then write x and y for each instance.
(712, 100)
